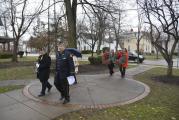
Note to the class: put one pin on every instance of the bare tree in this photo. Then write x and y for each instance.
(21, 20)
(163, 14)
(101, 28)
(89, 34)
(43, 40)
(139, 34)
(103, 17)
(71, 9)
(116, 21)
(117, 28)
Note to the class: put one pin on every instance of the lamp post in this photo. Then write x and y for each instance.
(178, 45)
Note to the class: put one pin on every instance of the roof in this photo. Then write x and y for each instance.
(6, 39)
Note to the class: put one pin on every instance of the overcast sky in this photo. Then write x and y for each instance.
(130, 20)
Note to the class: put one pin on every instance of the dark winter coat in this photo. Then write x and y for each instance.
(64, 65)
(43, 71)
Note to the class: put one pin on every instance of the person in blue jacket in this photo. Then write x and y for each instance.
(64, 68)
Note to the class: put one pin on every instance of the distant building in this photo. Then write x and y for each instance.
(128, 40)
(86, 39)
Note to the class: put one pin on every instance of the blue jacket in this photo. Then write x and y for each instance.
(64, 65)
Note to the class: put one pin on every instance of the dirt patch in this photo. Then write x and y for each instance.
(167, 79)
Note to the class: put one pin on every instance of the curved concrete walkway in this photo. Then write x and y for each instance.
(93, 91)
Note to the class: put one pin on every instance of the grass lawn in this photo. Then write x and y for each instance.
(161, 104)
(153, 57)
(10, 88)
(17, 73)
(23, 59)
(83, 62)
(28, 58)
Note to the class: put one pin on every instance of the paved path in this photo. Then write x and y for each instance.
(92, 91)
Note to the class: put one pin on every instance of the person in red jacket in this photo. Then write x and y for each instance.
(123, 62)
(118, 56)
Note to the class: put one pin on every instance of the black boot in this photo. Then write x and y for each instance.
(66, 101)
(62, 98)
(49, 88)
(41, 94)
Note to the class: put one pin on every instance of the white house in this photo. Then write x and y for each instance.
(128, 40)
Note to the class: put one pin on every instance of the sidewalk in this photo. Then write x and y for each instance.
(92, 91)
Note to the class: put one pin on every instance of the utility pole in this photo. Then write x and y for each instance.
(178, 56)
(48, 46)
(56, 27)
(138, 32)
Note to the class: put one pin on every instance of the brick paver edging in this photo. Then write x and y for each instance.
(27, 93)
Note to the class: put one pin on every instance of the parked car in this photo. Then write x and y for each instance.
(133, 57)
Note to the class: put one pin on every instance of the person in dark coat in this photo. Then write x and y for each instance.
(111, 62)
(64, 68)
(43, 71)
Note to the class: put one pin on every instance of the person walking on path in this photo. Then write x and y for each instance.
(43, 71)
(64, 68)
(107, 58)
(123, 62)
(111, 62)
(76, 64)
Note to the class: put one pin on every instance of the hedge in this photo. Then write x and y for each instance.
(5, 55)
(86, 51)
(95, 60)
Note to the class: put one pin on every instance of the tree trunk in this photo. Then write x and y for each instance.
(117, 43)
(93, 46)
(92, 53)
(157, 57)
(170, 66)
(100, 37)
(14, 57)
(71, 18)
(138, 51)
